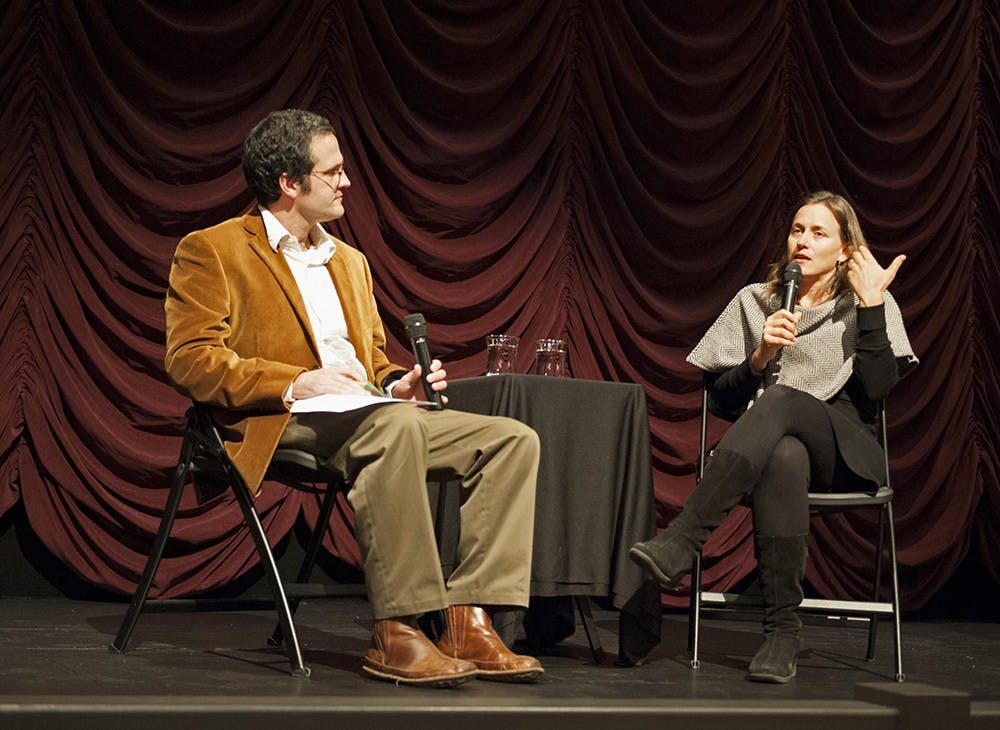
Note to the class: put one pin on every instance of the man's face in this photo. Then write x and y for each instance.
(321, 198)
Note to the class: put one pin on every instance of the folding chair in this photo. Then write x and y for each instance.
(819, 504)
(204, 456)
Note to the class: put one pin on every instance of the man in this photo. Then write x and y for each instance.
(267, 309)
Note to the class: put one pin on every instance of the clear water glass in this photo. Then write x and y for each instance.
(501, 350)
(550, 358)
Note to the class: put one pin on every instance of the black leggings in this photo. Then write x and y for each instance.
(788, 436)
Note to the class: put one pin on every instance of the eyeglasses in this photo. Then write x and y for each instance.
(335, 176)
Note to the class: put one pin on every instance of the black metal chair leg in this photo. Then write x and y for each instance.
(312, 551)
(298, 668)
(694, 611)
(316, 540)
(873, 619)
(587, 618)
(120, 644)
(898, 633)
(694, 607)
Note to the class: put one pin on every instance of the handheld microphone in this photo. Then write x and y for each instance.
(416, 330)
(790, 277)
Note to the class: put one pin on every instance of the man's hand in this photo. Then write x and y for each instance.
(327, 380)
(408, 387)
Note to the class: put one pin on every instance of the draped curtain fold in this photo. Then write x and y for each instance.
(610, 173)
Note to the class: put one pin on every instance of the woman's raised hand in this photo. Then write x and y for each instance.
(868, 279)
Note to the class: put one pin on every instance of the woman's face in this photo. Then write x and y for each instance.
(815, 243)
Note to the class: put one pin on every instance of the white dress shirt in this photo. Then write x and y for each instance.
(326, 314)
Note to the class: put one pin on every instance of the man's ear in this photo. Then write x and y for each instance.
(288, 186)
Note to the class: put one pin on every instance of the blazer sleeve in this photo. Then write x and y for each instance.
(201, 359)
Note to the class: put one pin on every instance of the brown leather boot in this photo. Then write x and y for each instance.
(401, 653)
(469, 635)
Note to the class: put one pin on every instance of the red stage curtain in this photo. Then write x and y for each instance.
(607, 172)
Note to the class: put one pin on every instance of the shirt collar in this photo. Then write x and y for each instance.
(279, 237)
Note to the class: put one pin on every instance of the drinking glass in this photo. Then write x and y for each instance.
(550, 358)
(500, 353)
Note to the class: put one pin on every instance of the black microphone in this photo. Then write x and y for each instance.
(790, 277)
(416, 330)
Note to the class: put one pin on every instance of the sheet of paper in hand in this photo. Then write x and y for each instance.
(341, 403)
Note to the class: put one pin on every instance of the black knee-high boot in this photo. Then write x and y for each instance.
(669, 556)
(782, 565)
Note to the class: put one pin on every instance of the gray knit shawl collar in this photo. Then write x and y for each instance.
(821, 360)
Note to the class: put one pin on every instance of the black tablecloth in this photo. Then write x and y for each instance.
(595, 492)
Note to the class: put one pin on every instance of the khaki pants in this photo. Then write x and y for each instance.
(387, 454)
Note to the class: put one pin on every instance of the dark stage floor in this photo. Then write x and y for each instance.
(55, 666)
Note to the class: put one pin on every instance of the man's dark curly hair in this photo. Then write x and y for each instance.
(279, 145)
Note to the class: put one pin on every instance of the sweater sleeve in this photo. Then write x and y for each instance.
(731, 390)
(874, 362)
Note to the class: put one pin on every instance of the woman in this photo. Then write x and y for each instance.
(802, 388)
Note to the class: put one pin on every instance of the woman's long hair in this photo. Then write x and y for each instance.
(850, 233)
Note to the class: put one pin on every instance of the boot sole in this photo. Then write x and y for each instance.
(523, 676)
(770, 678)
(449, 680)
(644, 560)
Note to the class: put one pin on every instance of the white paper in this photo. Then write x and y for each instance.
(342, 402)
(339, 403)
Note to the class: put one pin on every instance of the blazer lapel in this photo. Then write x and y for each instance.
(278, 267)
(343, 283)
